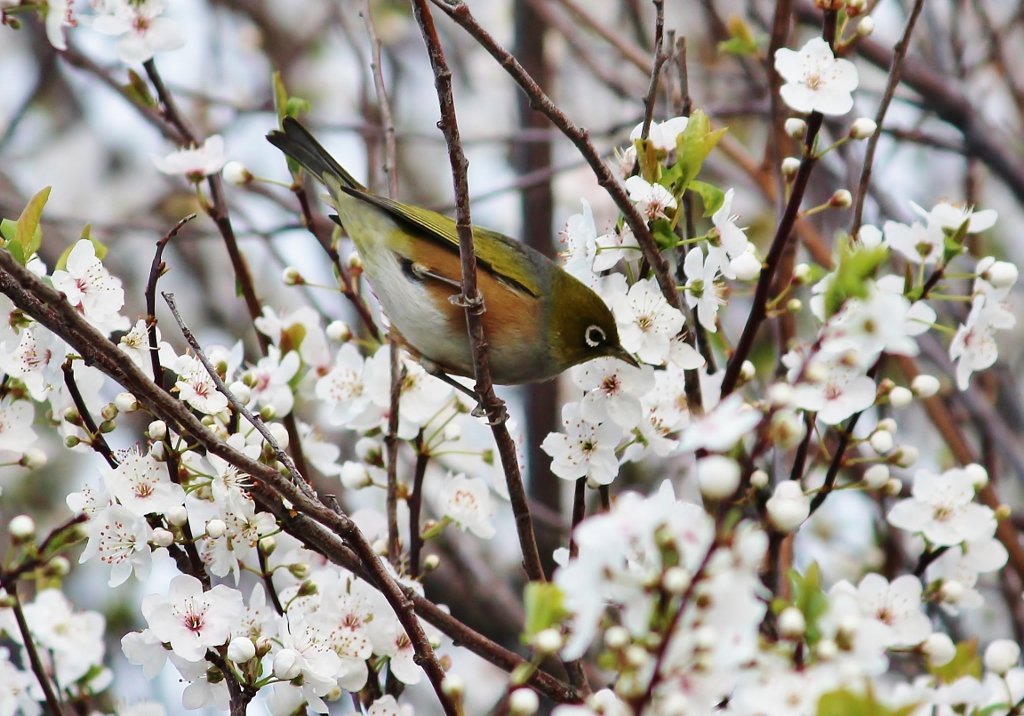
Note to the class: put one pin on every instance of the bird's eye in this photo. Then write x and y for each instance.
(594, 336)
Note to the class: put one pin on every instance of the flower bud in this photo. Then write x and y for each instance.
(431, 562)
(286, 665)
(59, 566)
(163, 538)
(280, 434)
(523, 702)
(866, 26)
(788, 507)
(826, 649)
(841, 199)
(718, 477)
(881, 441)
(1001, 274)
(547, 641)
(925, 386)
(746, 266)
(794, 305)
(790, 166)
(792, 624)
(125, 402)
(978, 475)
(801, 272)
(453, 686)
(299, 570)
(177, 516)
(33, 459)
(1002, 655)
(676, 579)
(616, 638)
(907, 455)
(241, 649)
(758, 479)
(951, 591)
(862, 128)
(876, 477)
(237, 174)
(900, 397)
(355, 476)
(939, 649)
(216, 528)
(21, 528)
(369, 451)
(157, 452)
(796, 128)
(291, 276)
(157, 430)
(355, 262)
(267, 545)
(781, 394)
(339, 331)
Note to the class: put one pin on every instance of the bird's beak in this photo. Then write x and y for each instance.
(624, 355)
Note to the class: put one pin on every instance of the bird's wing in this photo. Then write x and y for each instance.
(510, 261)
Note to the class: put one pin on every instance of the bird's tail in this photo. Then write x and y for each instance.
(295, 140)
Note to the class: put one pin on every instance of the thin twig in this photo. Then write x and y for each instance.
(96, 440)
(29, 645)
(895, 72)
(473, 301)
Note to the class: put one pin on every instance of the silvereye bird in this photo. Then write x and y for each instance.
(538, 319)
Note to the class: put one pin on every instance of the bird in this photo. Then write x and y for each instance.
(538, 319)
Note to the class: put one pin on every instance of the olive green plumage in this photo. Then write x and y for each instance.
(539, 320)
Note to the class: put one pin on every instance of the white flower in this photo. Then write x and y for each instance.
(585, 449)
(646, 321)
(732, 238)
(662, 134)
(190, 619)
(842, 390)
(270, 380)
(881, 321)
(919, 243)
(90, 288)
(652, 200)
(896, 608)
(788, 506)
(616, 245)
(59, 14)
(17, 688)
(16, 433)
(951, 217)
(467, 501)
(74, 639)
(942, 509)
(701, 292)
(195, 163)
(120, 538)
(973, 348)
(35, 360)
(614, 389)
(994, 278)
(580, 243)
(815, 80)
(141, 483)
(142, 31)
(135, 344)
(196, 387)
(720, 429)
(297, 330)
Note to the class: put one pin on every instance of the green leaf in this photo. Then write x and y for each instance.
(138, 91)
(710, 195)
(8, 228)
(27, 235)
(809, 597)
(855, 266)
(296, 106)
(280, 95)
(843, 702)
(545, 608)
(736, 46)
(965, 663)
(693, 145)
(742, 40)
(663, 234)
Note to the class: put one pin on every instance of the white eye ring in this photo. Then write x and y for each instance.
(594, 336)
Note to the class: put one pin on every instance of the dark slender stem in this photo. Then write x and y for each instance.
(156, 270)
(33, 654)
(660, 56)
(895, 73)
(391, 446)
(416, 506)
(96, 440)
(579, 511)
(800, 460)
(473, 301)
